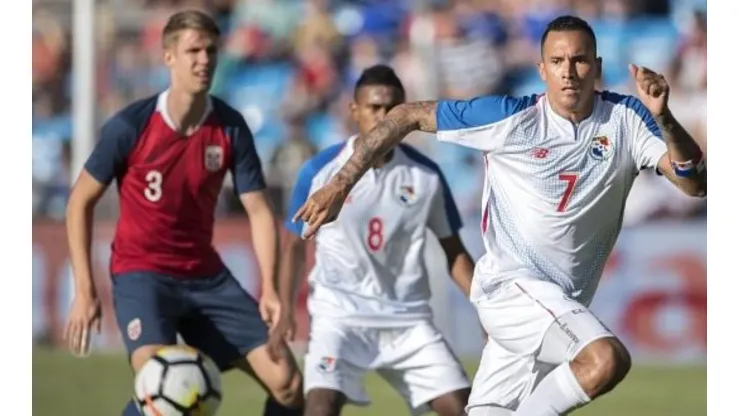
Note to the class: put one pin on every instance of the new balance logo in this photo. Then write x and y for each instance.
(540, 153)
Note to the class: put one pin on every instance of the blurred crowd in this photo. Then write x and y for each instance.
(289, 67)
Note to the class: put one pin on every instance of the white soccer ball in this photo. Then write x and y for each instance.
(176, 381)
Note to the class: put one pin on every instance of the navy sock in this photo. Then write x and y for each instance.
(131, 409)
(273, 408)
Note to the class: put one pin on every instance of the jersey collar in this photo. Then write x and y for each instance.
(564, 122)
(162, 108)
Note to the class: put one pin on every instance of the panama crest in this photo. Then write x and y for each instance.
(601, 148)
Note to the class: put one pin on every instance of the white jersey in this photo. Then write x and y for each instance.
(369, 268)
(554, 192)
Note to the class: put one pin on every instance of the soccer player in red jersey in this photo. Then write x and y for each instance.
(169, 155)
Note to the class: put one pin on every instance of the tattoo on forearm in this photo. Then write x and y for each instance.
(679, 141)
(682, 148)
(426, 115)
(387, 134)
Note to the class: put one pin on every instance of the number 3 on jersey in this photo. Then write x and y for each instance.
(375, 234)
(153, 190)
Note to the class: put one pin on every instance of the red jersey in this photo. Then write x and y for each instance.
(169, 184)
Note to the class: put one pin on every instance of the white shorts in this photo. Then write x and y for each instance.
(532, 328)
(416, 361)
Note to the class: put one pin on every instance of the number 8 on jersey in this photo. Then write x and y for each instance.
(375, 234)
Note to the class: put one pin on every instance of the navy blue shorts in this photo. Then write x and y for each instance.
(215, 315)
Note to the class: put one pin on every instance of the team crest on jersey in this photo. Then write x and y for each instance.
(327, 364)
(133, 329)
(406, 195)
(214, 158)
(601, 148)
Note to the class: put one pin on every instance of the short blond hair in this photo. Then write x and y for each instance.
(188, 19)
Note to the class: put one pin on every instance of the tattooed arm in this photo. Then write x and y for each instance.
(681, 147)
(471, 123)
(324, 205)
(399, 122)
(678, 157)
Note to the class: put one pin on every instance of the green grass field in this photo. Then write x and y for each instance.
(100, 385)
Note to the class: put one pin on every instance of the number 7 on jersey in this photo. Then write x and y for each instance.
(571, 179)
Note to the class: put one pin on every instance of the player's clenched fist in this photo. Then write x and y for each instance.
(322, 207)
(652, 89)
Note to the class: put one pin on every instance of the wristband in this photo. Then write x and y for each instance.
(689, 167)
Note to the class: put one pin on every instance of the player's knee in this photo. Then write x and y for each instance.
(451, 404)
(601, 366)
(324, 402)
(142, 354)
(289, 392)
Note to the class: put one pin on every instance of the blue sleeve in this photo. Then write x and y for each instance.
(634, 104)
(639, 108)
(247, 167)
(108, 159)
(302, 187)
(647, 143)
(301, 190)
(453, 214)
(481, 111)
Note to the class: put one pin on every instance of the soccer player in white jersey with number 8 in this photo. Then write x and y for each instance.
(559, 167)
(369, 300)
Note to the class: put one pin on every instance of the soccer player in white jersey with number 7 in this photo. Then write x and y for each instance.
(369, 300)
(559, 167)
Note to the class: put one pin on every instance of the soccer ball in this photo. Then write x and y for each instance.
(176, 381)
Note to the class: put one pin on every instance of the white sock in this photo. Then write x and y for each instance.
(557, 394)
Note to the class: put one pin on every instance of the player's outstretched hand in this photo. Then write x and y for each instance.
(270, 311)
(285, 326)
(84, 316)
(282, 331)
(269, 307)
(652, 89)
(322, 207)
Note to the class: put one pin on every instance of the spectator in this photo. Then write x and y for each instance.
(290, 65)
(286, 161)
(467, 66)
